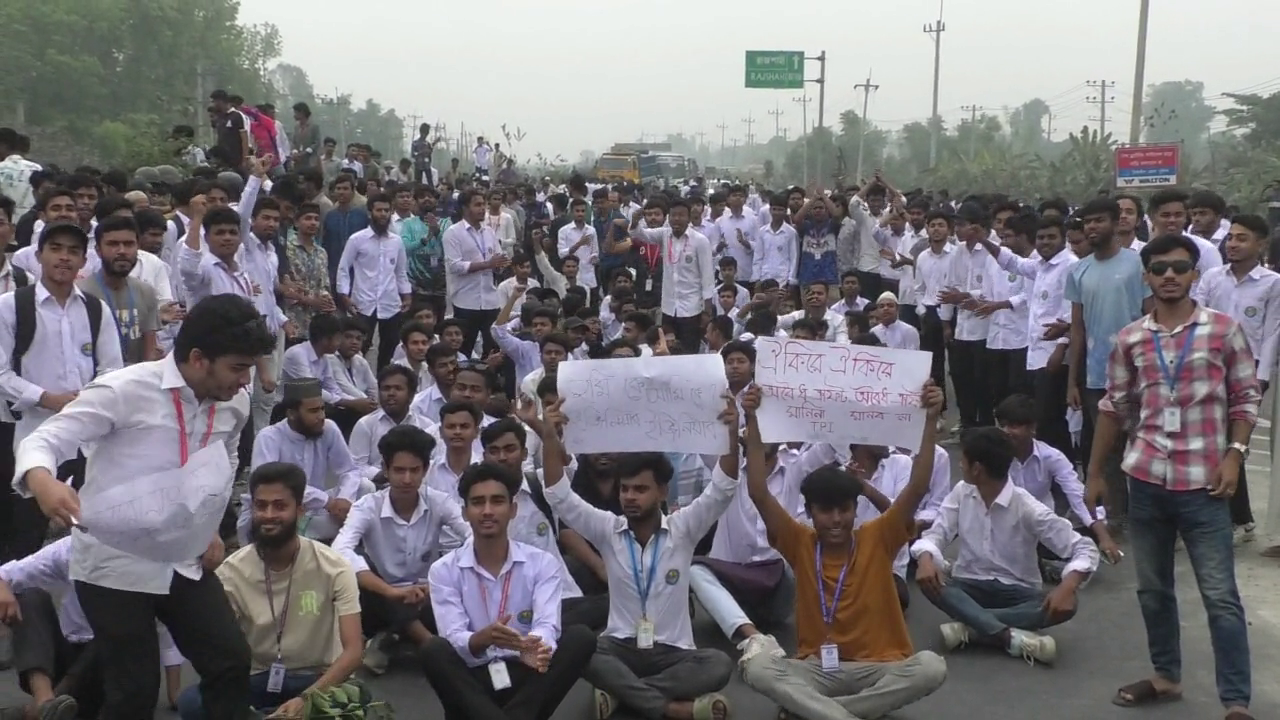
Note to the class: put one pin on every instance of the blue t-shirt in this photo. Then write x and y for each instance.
(1111, 292)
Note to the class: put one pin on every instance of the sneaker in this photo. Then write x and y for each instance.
(604, 704)
(1032, 647)
(375, 653)
(954, 635)
(1243, 534)
(759, 643)
(62, 707)
(1051, 570)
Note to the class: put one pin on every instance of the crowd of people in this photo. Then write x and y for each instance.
(160, 338)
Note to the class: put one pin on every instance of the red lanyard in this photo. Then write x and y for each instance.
(183, 449)
(671, 246)
(502, 604)
(248, 289)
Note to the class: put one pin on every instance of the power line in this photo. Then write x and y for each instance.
(867, 88)
(935, 123)
(973, 111)
(1102, 99)
(777, 114)
(749, 121)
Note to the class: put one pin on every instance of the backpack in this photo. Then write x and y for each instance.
(181, 226)
(540, 499)
(20, 277)
(24, 332)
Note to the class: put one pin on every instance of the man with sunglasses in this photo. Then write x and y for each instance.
(1183, 377)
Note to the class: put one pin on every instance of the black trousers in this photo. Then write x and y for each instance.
(476, 323)
(9, 498)
(1008, 371)
(971, 376)
(870, 285)
(931, 341)
(688, 332)
(388, 337)
(39, 646)
(203, 627)
(466, 693)
(30, 524)
(589, 611)
(380, 614)
(1050, 393)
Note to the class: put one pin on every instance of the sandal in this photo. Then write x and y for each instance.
(1142, 693)
(705, 707)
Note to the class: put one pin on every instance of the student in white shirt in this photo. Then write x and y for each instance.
(646, 660)
(392, 537)
(130, 418)
(307, 439)
(815, 309)
(851, 299)
(501, 222)
(994, 593)
(471, 255)
(521, 269)
(688, 274)
(578, 239)
(525, 355)
(309, 359)
(355, 377)
(63, 356)
(379, 290)
(1250, 294)
(890, 329)
(442, 366)
(395, 393)
(458, 446)
(502, 645)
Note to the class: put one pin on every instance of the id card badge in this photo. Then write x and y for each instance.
(275, 677)
(648, 284)
(644, 635)
(830, 658)
(434, 262)
(1172, 420)
(499, 676)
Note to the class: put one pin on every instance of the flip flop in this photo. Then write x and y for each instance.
(1143, 693)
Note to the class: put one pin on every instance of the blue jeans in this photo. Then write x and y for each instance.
(189, 707)
(989, 607)
(1156, 517)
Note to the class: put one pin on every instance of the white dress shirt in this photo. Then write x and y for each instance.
(1253, 302)
(301, 361)
(688, 272)
(507, 287)
(587, 254)
(263, 266)
(465, 245)
(730, 225)
(665, 558)
(466, 599)
(1007, 329)
(972, 272)
(891, 477)
(381, 273)
(932, 274)
(354, 377)
(61, 356)
(897, 335)
(777, 254)
(428, 403)
(533, 527)
(126, 424)
(325, 459)
(999, 542)
(524, 354)
(203, 275)
(369, 429)
(400, 550)
(1046, 467)
(504, 227)
(1046, 300)
(740, 533)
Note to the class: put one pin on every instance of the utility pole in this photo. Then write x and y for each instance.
(973, 111)
(867, 88)
(733, 158)
(822, 87)
(722, 127)
(935, 123)
(777, 113)
(1048, 133)
(1139, 71)
(804, 101)
(702, 137)
(1102, 99)
(749, 121)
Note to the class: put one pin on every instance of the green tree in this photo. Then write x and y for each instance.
(1176, 111)
(1026, 125)
(1257, 116)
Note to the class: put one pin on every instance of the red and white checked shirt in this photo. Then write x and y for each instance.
(1216, 386)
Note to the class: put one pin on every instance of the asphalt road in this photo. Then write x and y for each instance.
(1103, 647)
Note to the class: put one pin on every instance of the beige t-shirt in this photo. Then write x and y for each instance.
(324, 589)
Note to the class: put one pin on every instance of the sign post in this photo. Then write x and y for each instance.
(1147, 166)
(775, 69)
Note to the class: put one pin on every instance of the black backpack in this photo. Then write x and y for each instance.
(181, 226)
(24, 333)
(540, 499)
(20, 277)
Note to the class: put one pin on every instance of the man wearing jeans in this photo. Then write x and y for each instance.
(994, 593)
(1184, 380)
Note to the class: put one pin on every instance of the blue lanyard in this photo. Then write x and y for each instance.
(1171, 379)
(124, 328)
(643, 589)
(829, 614)
(478, 241)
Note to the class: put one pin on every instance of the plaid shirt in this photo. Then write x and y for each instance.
(1217, 385)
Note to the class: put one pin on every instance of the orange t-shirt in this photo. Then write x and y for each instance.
(869, 625)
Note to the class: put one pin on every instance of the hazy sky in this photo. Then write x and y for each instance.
(577, 74)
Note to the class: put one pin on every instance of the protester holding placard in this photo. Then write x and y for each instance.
(856, 639)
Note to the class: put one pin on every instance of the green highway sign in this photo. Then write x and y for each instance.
(775, 69)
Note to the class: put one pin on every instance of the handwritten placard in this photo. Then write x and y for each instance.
(840, 394)
(660, 404)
